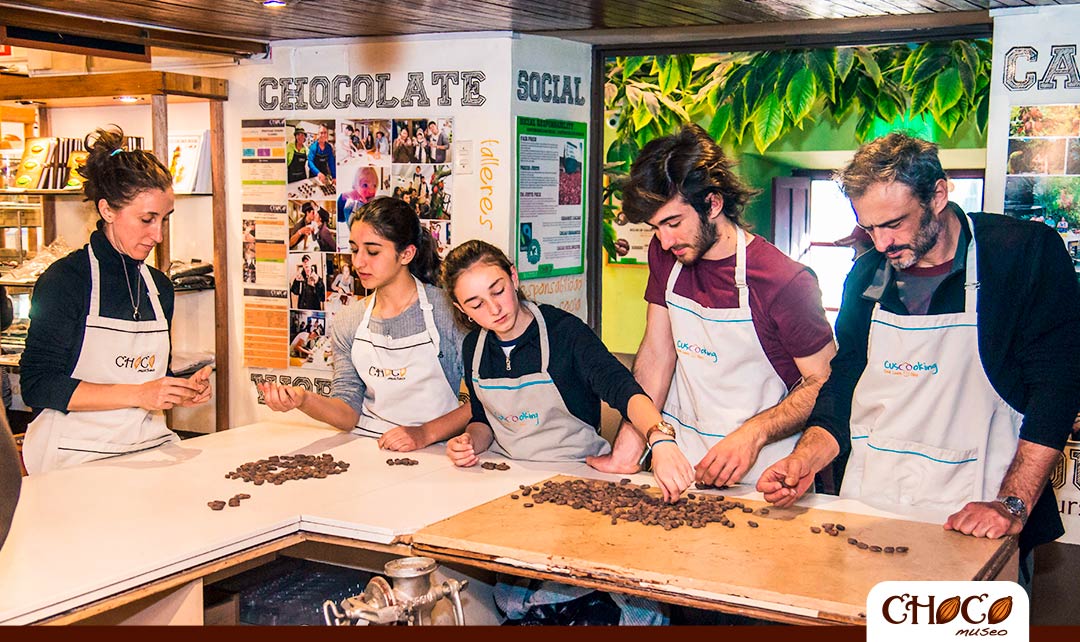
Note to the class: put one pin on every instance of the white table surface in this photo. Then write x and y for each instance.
(84, 533)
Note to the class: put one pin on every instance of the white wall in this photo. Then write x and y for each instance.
(564, 59)
(1031, 34)
(1035, 63)
(483, 198)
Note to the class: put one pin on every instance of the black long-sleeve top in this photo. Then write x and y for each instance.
(58, 310)
(583, 370)
(1028, 328)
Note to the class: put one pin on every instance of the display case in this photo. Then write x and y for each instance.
(158, 90)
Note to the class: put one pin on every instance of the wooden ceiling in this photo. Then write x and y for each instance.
(247, 20)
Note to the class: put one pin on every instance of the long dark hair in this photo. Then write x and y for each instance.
(117, 175)
(394, 220)
(462, 258)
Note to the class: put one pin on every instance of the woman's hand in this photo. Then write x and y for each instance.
(404, 438)
(671, 469)
(165, 393)
(460, 451)
(201, 381)
(281, 398)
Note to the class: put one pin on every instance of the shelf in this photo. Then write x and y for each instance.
(15, 191)
(156, 90)
(99, 89)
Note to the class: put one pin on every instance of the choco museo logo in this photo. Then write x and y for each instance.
(393, 374)
(973, 609)
(139, 363)
(909, 369)
(694, 350)
(523, 417)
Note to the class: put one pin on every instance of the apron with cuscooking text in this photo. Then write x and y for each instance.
(722, 375)
(928, 430)
(527, 414)
(114, 351)
(404, 381)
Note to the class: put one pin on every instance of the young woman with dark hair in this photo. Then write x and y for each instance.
(536, 375)
(97, 352)
(399, 345)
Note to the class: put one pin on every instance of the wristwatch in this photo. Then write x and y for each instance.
(667, 434)
(1015, 506)
(662, 427)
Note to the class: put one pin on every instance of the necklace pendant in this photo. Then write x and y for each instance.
(136, 315)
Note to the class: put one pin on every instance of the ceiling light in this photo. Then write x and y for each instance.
(274, 3)
(127, 99)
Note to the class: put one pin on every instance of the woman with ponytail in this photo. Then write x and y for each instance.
(97, 352)
(397, 355)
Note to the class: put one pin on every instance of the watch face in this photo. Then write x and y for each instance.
(1015, 505)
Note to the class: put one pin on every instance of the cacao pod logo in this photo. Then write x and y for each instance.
(948, 610)
(999, 610)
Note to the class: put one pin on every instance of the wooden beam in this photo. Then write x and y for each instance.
(48, 205)
(879, 29)
(159, 115)
(51, 40)
(106, 86)
(221, 266)
(133, 34)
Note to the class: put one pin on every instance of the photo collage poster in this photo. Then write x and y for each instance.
(335, 167)
(1042, 181)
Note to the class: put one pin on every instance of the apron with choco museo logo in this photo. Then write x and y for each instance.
(404, 381)
(527, 414)
(927, 427)
(114, 351)
(722, 375)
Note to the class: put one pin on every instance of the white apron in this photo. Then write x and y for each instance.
(527, 414)
(404, 380)
(722, 375)
(114, 351)
(928, 429)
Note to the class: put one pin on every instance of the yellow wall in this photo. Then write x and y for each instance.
(623, 322)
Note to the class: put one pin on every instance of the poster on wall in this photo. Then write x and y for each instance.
(297, 270)
(1042, 181)
(1066, 483)
(263, 181)
(550, 231)
(363, 169)
(421, 173)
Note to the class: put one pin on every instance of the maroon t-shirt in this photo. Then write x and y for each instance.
(784, 299)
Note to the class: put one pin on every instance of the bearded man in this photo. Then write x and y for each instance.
(736, 342)
(956, 382)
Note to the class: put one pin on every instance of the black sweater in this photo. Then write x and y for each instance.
(583, 370)
(58, 312)
(1029, 335)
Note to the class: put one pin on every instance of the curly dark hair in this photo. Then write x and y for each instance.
(118, 175)
(690, 165)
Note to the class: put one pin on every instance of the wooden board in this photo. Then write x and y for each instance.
(780, 566)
